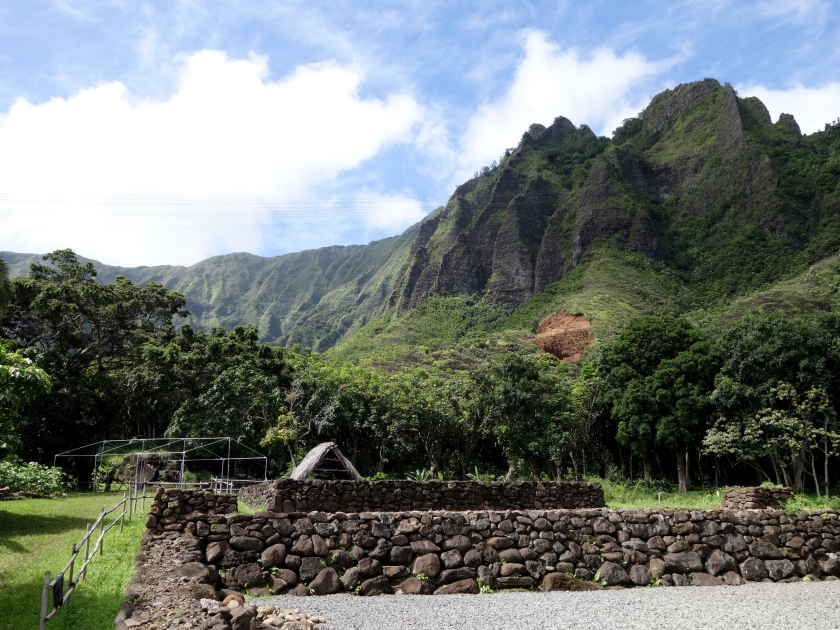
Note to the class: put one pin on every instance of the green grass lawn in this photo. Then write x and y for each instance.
(36, 535)
(639, 495)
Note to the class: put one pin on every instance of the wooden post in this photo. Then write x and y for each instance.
(72, 564)
(44, 597)
(102, 532)
(87, 547)
(129, 501)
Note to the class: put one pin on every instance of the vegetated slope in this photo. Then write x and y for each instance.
(699, 205)
(312, 297)
(694, 204)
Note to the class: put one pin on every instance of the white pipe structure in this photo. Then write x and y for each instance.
(159, 448)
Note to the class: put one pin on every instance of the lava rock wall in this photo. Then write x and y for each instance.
(289, 495)
(456, 552)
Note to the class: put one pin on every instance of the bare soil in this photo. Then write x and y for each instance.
(564, 335)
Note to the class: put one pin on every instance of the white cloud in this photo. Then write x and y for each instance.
(125, 181)
(595, 89)
(812, 107)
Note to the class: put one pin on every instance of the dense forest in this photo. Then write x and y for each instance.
(701, 241)
(661, 402)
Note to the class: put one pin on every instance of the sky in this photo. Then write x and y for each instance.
(144, 133)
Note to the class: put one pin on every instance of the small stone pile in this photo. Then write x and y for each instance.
(7, 495)
(290, 495)
(755, 498)
(287, 619)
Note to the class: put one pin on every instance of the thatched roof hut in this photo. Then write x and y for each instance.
(326, 458)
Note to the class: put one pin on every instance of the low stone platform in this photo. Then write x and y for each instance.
(755, 498)
(290, 495)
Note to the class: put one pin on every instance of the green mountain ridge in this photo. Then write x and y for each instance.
(701, 205)
(313, 297)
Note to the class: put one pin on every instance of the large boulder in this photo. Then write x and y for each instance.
(245, 576)
(640, 575)
(461, 543)
(273, 556)
(341, 560)
(720, 562)
(197, 572)
(309, 568)
(422, 547)
(753, 569)
(319, 546)
(216, 551)
(326, 582)
(301, 547)
(656, 566)
(731, 578)
(413, 586)
(281, 578)
(564, 582)
(241, 617)
(456, 575)
(779, 569)
(350, 579)
(704, 579)
(452, 559)
(765, 550)
(380, 585)
(499, 542)
(401, 555)
(612, 574)
(682, 562)
(512, 556)
(369, 567)
(246, 543)
(428, 565)
(382, 550)
(462, 587)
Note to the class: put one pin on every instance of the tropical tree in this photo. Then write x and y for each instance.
(775, 395)
(20, 382)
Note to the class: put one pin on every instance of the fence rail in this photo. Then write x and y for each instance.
(60, 597)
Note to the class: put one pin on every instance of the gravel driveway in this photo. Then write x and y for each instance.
(798, 605)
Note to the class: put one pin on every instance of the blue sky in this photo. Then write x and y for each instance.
(166, 132)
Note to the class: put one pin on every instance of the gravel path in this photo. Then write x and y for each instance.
(798, 605)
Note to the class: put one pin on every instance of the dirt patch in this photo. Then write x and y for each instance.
(564, 335)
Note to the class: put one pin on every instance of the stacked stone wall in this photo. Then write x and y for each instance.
(289, 495)
(755, 498)
(443, 552)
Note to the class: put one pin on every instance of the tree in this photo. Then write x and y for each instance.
(656, 373)
(86, 336)
(20, 382)
(529, 411)
(5, 292)
(681, 388)
(775, 393)
(783, 433)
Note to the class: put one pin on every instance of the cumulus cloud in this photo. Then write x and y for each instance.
(812, 107)
(207, 170)
(596, 89)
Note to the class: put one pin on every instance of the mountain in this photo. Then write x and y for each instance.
(313, 297)
(700, 205)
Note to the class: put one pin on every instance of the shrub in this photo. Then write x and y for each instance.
(31, 477)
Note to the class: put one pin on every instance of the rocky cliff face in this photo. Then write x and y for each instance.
(687, 167)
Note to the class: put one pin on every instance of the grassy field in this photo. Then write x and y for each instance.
(639, 495)
(36, 535)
